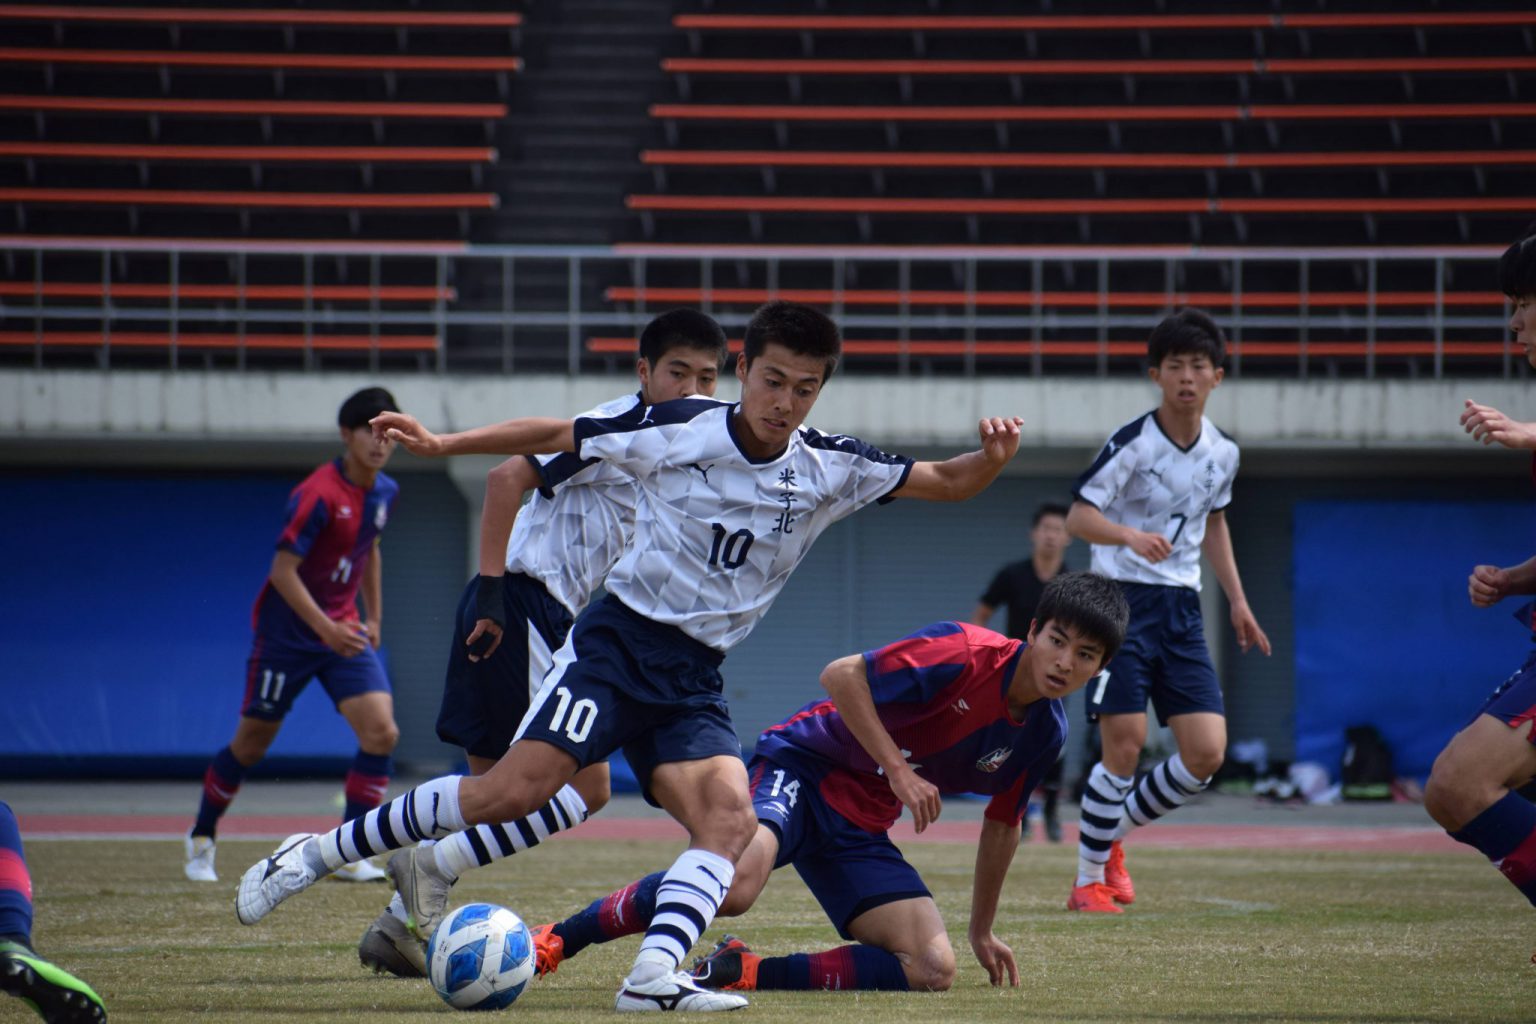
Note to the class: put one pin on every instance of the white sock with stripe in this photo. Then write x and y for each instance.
(1099, 824)
(483, 844)
(1164, 788)
(686, 902)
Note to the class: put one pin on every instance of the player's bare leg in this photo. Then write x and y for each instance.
(1471, 794)
(372, 718)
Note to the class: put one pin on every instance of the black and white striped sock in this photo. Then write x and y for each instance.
(1164, 788)
(479, 846)
(1099, 825)
(686, 902)
(430, 811)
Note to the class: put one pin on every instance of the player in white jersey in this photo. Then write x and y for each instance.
(730, 498)
(1153, 501)
(539, 566)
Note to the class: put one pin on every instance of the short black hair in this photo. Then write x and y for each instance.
(1517, 267)
(1091, 604)
(801, 329)
(365, 405)
(682, 328)
(1188, 332)
(1050, 508)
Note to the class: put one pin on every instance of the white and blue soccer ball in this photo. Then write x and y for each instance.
(480, 957)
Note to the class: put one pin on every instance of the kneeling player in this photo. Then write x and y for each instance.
(952, 707)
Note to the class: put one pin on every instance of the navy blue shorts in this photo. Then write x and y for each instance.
(848, 870)
(1164, 657)
(275, 676)
(1514, 702)
(624, 682)
(485, 700)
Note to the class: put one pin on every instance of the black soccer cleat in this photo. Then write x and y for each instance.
(58, 996)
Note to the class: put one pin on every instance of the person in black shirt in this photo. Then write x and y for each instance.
(1018, 586)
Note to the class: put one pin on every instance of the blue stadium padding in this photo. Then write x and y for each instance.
(1384, 633)
(125, 615)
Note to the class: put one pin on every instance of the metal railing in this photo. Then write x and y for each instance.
(1028, 311)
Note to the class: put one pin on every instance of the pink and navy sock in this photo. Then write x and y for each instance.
(848, 967)
(220, 784)
(15, 882)
(367, 781)
(1506, 835)
(626, 912)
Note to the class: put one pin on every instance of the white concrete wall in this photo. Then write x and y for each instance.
(61, 406)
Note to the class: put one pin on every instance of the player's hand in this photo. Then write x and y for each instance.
(375, 630)
(1249, 635)
(997, 958)
(408, 431)
(918, 795)
(347, 639)
(482, 643)
(1488, 425)
(1000, 437)
(1154, 547)
(1487, 586)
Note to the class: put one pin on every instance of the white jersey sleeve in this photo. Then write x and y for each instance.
(572, 531)
(1143, 480)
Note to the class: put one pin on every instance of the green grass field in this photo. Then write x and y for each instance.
(1280, 935)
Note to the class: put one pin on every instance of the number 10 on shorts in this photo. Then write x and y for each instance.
(576, 718)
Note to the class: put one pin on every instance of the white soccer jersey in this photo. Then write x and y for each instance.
(568, 538)
(717, 533)
(1143, 480)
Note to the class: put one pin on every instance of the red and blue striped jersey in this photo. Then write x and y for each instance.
(332, 526)
(942, 694)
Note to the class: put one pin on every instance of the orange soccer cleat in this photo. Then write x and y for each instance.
(1093, 898)
(1116, 877)
(548, 950)
(730, 967)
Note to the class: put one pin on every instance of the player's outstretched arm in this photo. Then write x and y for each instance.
(847, 683)
(1488, 425)
(530, 435)
(1086, 522)
(1217, 548)
(505, 488)
(994, 852)
(1489, 584)
(966, 476)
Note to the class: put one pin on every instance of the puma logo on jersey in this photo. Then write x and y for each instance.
(993, 761)
(703, 470)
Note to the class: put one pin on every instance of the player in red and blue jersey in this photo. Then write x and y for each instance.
(951, 708)
(1472, 788)
(306, 624)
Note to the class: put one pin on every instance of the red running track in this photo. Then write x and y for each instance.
(1349, 838)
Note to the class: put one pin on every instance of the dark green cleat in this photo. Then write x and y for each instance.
(58, 996)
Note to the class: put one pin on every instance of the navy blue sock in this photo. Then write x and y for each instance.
(15, 882)
(367, 782)
(848, 967)
(220, 784)
(1506, 835)
(626, 912)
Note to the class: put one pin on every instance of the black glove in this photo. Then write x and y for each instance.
(489, 604)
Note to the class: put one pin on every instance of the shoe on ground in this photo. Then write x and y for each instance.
(548, 950)
(673, 991)
(1053, 827)
(199, 865)
(1116, 877)
(1093, 898)
(273, 879)
(422, 888)
(58, 996)
(361, 871)
(730, 967)
(388, 947)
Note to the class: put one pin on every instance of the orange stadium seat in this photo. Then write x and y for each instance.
(1231, 161)
(257, 16)
(205, 292)
(1046, 300)
(1092, 23)
(220, 342)
(262, 61)
(250, 108)
(326, 154)
(190, 197)
(1058, 68)
(1123, 349)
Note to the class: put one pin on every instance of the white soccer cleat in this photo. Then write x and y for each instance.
(199, 865)
(673, 991)
(361, 871)
(273, 879)
(387, 946)
(422, 888)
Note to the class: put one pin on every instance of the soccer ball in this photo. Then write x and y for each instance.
(480, 957)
